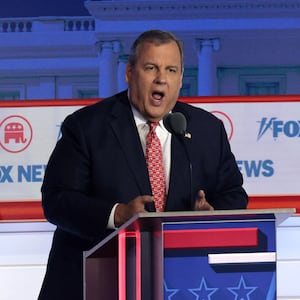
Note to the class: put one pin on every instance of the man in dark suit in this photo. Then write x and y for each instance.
(97, 176)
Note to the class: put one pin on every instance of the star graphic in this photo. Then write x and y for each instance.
(169, 293)
(203, 292)
(242, 291)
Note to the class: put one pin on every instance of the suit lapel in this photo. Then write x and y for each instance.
(124, 127)
(179, 196)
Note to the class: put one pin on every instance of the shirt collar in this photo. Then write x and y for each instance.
(140, 120)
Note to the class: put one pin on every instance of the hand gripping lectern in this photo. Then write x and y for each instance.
(187, 255)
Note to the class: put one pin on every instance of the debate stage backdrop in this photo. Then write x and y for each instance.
(264, 133)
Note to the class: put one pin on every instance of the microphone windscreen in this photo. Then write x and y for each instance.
(175, 123)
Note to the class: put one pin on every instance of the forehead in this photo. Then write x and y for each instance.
(167, 52)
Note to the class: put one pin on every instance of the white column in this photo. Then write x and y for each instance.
(47, 87)
(122, 84)
(108, 67)
(207, 70)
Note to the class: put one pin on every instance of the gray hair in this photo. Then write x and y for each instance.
(157, 37)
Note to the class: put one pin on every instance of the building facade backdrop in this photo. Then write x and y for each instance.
(232, 47)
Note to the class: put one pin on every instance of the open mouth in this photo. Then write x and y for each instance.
(157, 97)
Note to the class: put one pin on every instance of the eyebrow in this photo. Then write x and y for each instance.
(167, 67)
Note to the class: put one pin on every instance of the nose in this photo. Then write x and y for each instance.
(160, 77)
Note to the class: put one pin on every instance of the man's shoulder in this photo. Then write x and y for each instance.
(194, 112)
(102, 107)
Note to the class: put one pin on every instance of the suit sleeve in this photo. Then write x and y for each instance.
(229, 193)
(67, 197)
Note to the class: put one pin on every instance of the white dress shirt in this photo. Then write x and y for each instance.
(164, 138)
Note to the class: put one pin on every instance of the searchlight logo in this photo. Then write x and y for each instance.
(278, 128)
(228, 124)
(15, 134)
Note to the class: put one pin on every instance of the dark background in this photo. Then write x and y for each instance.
(41, 8)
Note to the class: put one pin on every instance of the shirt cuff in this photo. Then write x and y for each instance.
(111, 220)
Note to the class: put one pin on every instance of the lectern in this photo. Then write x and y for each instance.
(187, 255)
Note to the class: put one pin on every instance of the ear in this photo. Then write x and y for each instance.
(181, 79)
(128, 72)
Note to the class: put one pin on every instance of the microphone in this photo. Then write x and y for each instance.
(176, 124)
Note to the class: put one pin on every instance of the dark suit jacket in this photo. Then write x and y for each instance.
(99, 161)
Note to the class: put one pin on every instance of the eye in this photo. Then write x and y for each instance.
(172, 70)
(149, 67)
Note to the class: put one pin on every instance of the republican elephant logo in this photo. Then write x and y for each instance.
(15, 133)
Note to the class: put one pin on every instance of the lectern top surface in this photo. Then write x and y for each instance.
(152, 222)
(277, 214)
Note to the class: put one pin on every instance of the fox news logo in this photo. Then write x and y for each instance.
(278, 128)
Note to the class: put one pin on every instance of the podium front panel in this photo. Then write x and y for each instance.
(220, 260)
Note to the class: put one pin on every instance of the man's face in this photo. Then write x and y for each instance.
(155, 80)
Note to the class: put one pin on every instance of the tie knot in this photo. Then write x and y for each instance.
(152, 125)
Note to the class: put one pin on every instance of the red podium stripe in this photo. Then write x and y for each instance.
(122, 265)
(211, 238)
(29, 210)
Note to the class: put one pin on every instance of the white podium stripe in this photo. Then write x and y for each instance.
(242, 258)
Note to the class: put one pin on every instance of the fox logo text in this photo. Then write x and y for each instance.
(278, 128)
(256, 168)
(29, 173)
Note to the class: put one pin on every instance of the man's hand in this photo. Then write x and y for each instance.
(124, 212)
(201, 203)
